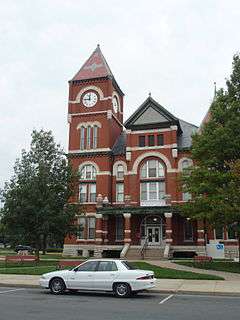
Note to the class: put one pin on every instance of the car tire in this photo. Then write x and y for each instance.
(122, 290)
(57, 286)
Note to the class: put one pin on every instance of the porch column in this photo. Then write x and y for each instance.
(127, 227)
(168, 217)
(200, 233)
(105, 229)
(99, 230)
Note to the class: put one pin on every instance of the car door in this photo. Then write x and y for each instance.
(105, 275)
(82, 277)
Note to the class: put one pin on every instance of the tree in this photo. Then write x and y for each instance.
(214, 181)
(36, 198)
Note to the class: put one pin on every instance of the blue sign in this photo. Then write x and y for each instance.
(220, 246)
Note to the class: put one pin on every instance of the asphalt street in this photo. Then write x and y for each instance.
(36, 304)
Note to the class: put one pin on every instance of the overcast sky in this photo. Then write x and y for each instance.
(174, 49)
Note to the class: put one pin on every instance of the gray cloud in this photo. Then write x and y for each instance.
(175, 49)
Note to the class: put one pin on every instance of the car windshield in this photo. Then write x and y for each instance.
(128, 265)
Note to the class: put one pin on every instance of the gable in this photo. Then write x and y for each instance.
(150, 115)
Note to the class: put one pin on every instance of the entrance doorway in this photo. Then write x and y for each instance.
(152, 230)
(154, 236)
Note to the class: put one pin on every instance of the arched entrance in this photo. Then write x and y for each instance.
(153, 228)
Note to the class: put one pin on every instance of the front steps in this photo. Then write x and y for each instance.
(150, 253)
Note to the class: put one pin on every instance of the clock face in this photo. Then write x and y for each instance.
(90, 99)
(115, 104)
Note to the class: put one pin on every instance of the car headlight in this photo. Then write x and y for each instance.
(43, 277)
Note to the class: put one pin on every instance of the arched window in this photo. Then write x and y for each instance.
(152, 185)
(87, 186)
(185, 164)
(120, 171)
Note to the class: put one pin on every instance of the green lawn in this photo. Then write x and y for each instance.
(227, 266)
(47, 266)
(165, 273)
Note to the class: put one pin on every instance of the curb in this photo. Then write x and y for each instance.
(187, 292)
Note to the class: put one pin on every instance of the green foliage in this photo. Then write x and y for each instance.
(214, 181)
(36, 198)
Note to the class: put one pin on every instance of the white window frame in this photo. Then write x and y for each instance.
(147, 183)
(120, 173)
(160, 172)
(84, 170)
(95, 136)
(88, 226)
(82, 138)
(119, 193)
(89, 131)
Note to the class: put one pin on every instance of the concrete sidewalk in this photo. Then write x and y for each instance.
(226, 287)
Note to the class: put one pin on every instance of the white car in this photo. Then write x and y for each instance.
(100, 275)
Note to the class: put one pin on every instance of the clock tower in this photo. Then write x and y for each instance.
(95, 116)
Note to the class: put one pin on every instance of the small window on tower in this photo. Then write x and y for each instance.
(141, 141)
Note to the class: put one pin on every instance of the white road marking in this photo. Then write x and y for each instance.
(166, 299)
(12, 290)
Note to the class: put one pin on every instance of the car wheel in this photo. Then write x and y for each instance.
(57, 286)
(122, 290)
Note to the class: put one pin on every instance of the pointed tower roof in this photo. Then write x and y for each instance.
(95, 67)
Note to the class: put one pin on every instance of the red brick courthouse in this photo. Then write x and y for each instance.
(128, 172)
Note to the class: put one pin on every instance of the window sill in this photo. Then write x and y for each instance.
(153, 203)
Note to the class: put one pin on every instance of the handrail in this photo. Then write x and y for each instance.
(144, 247)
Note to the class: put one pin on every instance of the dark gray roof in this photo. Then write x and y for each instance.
(119, 146)
(185, 139)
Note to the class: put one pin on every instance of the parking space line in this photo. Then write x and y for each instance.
(12, 290)
(166, 299)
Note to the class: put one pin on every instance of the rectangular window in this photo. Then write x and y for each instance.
(160, 141)
(186, 196)
(83, 193)
(82, 138)
(161, 190)
(88, 137)
(153, 191)
(219, 233)
(95, 131)
(92, 192)
(231, 233)
(120, 172)
(144, 191)
(141, 141)
(91, 228)
(188, 231)
(119, 192)
(151, 140)
(152, 168)
(119, 228)
(81, 227)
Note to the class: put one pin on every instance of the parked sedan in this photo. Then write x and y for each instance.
(100, 275)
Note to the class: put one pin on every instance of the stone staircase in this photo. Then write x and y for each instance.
(150, 253)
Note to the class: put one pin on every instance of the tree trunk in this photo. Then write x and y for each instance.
(44, 244)
(37, 250)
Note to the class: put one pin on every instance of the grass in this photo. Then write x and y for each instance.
(166, 273)
(48, 266)
(226, 266)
